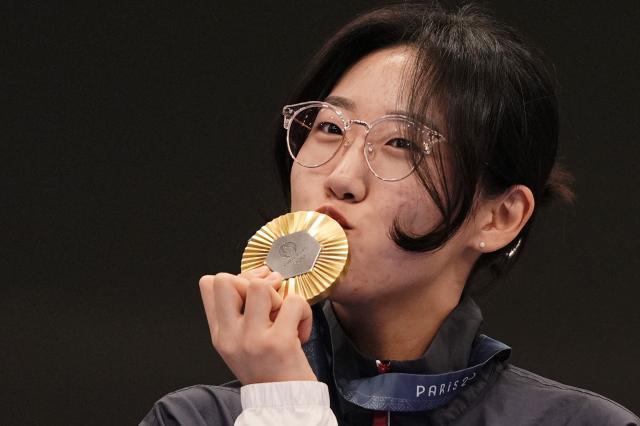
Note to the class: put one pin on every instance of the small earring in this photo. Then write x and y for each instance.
(482, 244)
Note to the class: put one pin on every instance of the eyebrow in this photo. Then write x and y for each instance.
(341, 102)
(350, 105)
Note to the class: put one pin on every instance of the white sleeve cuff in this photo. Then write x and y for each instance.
(286, 403)
(282, 394)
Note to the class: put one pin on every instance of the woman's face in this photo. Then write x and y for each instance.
(378, 270)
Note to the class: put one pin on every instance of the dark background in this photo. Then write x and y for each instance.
(135, 157)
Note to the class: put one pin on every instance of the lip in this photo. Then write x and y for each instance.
(335, 215)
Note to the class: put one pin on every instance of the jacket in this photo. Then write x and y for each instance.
(500, 394)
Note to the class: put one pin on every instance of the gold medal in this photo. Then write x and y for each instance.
(308, 248)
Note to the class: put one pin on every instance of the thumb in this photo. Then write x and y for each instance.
(295, 314)
(306, 322)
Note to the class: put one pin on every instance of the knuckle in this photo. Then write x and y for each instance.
(257, 287)
(295, 300)
(223, 277)
(250, 335)
(224, 280)
(206, 281)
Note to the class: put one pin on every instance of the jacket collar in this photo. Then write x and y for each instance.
(449, 350)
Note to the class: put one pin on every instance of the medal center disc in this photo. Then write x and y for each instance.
(293, 254)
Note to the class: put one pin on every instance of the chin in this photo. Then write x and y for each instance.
(347, 292)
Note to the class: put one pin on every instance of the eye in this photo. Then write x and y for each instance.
(329, 127)
(401, 144)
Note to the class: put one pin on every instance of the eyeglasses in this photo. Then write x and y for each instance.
(393, 146)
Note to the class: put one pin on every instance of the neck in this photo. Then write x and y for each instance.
(398, 329)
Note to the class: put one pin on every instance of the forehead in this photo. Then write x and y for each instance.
(374, 84)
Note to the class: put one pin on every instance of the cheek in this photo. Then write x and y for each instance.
(415, 210)
(304, 184)
(296, 188)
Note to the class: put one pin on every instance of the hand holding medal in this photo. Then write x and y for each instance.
(258, 331)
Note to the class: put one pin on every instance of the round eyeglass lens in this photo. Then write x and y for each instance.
(394, 148)
(315, 135)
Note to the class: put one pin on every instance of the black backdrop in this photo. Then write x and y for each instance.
(135, 158)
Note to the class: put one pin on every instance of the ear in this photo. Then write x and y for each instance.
(499, 220)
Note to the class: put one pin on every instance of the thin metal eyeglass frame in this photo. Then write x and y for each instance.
(289, 111)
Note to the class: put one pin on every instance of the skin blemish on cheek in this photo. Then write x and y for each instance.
(414, 209)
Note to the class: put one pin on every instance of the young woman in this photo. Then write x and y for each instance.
(431, 137)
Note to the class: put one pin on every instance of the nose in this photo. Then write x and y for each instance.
(348, 178)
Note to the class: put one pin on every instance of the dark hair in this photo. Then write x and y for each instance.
(495, 94)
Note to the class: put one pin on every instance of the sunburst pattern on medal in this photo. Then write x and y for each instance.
(332, 260)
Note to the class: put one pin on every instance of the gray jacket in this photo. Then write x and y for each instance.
(501, 394)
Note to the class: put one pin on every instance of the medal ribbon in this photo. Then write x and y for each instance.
(402, 391)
